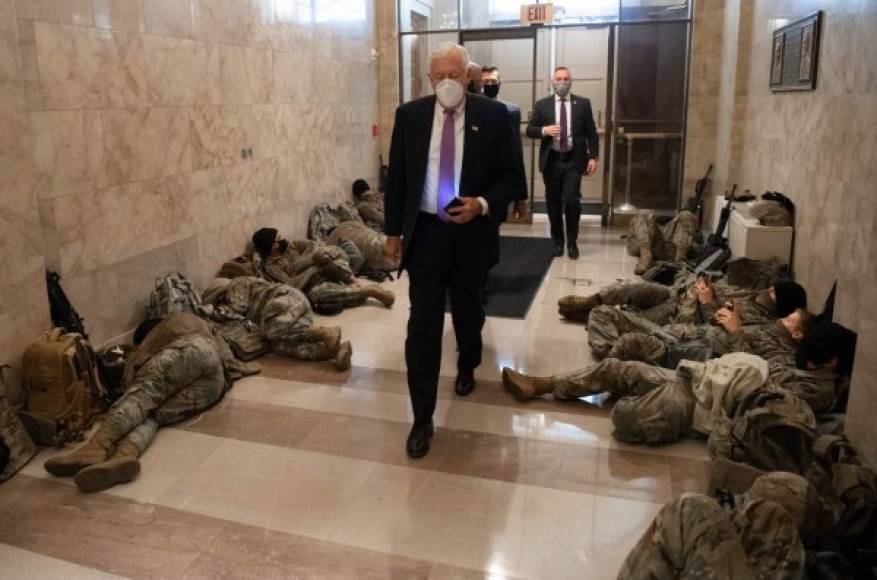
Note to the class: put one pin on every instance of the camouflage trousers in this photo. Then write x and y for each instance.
(653, 301)
(608, 323)
(182, 380)
(285, 314)
(330, 294)
(694, 537)
(662, 239)
(656, 405)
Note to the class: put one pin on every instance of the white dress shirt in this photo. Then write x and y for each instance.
(429, 200)
(568, 104)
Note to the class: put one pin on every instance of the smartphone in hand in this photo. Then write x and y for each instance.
(456, 202)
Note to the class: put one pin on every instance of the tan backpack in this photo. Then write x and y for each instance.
(60, 379)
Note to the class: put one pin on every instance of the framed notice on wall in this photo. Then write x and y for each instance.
(795, 54)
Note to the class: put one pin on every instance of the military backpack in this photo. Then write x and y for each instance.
(774, 433)
(63, 391)
(321, 221)
(173, 293)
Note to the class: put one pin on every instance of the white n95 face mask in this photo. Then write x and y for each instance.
(449, 93)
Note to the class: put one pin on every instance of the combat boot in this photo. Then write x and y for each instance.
(523, 387)
(328, 335)
(681, 253)
(645, 260)
(122, 467)
(382, 295)
(343, 356)
(578, 308)
(96, 450)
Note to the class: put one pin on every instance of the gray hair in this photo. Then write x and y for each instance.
(450, 49)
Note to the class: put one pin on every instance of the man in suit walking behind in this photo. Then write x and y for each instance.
(452, 165)
(569, 149)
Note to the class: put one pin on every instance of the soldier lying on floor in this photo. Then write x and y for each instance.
(370, 204)
(847, 492)
(369, 242)
(694, 536)
(179, 369)
(323, 273)
(649, 240)
(253, 310)
(745, 537)
(658, 405)
(629, 336)
(692, 299)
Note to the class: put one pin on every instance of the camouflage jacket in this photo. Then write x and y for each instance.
(371, 209)
(304, 265)
(816, 388)
(177, 326)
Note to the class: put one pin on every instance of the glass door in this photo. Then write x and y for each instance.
(513, 53)
(585, 51)
(648, 117)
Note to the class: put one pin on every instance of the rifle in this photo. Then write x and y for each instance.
(716, 252)
(62, 312)
(718, 240)
(695, 202)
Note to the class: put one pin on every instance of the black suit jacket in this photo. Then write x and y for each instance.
(585, 142)
(489, 167)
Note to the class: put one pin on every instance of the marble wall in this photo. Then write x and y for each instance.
(23, 302)
(145, 136)
(818, 147)
(388, 71)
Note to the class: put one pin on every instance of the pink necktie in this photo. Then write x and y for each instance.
(446, 189)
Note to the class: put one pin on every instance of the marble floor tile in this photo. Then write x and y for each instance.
(594, 431)
(18, 563)
(301, 472)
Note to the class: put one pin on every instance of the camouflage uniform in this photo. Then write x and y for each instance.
(677, 303)
(282, 313)
(370, 243)
(184, 378)
(19, 446)
(371, 209)
(175, 377)
(694, 537)
(662, 239)
(630, 336)
(177, 326)
(660, 405)
(816, 388)
(324, 273)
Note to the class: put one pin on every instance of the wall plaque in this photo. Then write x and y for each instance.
(795, 54)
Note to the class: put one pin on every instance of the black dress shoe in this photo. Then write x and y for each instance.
(418, 440)
(464, 384)
(573, 252)
(558, 249)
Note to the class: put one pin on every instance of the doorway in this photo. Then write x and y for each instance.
(513, 53)
(633, 70)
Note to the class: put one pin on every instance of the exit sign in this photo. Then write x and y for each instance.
(537, 13)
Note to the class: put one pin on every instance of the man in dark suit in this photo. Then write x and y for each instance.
(569, 149)
(491, 84)
(452, 166)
